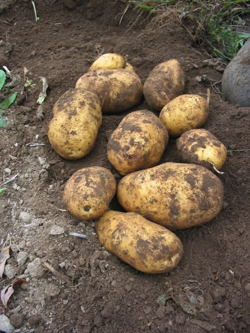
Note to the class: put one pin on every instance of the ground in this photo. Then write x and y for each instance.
(73, 284)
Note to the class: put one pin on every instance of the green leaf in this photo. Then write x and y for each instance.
(8, 101)
(146, 7)
(3, 190)
(3, 122)
(2, 78)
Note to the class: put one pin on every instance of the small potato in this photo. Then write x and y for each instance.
(137, 143)
(108, 61)
(88, 192)
(176, 195)
(183, 113)
(77, 118)
(165, 82)
(201, 147)
(118, 89)
(146, 246)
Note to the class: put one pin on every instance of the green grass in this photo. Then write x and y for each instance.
(215, 24)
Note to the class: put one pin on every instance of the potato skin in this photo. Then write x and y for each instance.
(118, 89)
(176, 195)
(137, 143)
(165, 82)
(108, 61)
(201, 147)
(146, 246)
(77, 118)
(183, 113)
(88, 192)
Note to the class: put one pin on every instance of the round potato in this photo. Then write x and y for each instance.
(88, 192)
(108, 61)
(137, 143)
(146, 246)
(183, 113)
(118, 89)
(176, 195)
(201, 147)
(165, 82)
(77, 118)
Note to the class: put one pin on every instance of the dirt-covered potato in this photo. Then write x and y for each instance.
(176, 195)
(137, 143)
(183, 113)
(165, 82)
(108, 61)
(202, 147)
(88, 192)
(118, 89)
(74, 127)
(146, 246)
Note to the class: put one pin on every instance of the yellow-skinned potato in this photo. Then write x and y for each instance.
(74, 127)
(201, 147)
(137, 143)
(176, 195)
(183, 113)
(129, 67)
(165, 82)
(88, 192)
(146, 246)
(118, 89)
(108, 61)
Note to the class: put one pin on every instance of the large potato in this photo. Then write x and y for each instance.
(138, 142)
(165, 82)
(88, 192)
(108, 61)
(73, 129)
(183, 113)
(176, 195)
(201, 147)
(146, 246)
(118, 89)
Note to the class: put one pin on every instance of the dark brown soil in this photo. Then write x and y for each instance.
(209, 291)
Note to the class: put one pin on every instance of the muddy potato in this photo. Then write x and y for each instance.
(137, 143)
(146, 246)
(201, 147)
(108, 61)
(183, 113)
(176, 195)
(165, 82)
(118, 89)
(88, 192)
(74, 127)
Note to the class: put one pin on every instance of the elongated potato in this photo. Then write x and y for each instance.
(88, 192)
(137, 143)
(73, 129)
(118, 89)
(183, 113)
(176, 195)
(165, 82)
(202, 147)
(146, 246)
(108, 61)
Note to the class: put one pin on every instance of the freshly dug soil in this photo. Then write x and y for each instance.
(73, 285)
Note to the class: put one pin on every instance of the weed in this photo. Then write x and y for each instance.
(6, 102)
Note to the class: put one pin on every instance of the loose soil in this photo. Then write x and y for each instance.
(93, 291)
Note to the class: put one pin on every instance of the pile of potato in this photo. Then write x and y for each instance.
(154, 196)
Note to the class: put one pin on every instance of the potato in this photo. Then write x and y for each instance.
(118, 89)
(201, 147)
(176, 195)
(88, 192)
(73, 129)
(183, 113)
(108, 61)
(165, 82)
(146, 246)
(137, 143)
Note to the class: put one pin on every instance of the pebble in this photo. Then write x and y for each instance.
(25, 217)
(21, 258)
(247, 287)
(7, 170)
(35, 268)
(17, 320)
(147, 310)
(218, 293)
(107, 310)
(52, 290)
(56, 230)
(10, 271)
(5, 325)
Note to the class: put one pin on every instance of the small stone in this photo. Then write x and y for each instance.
(128, 287)
(218, 293)
(247, 287)
(56, 230)
(21, 258)
(10, 271)
(219, 307)
(35, 268)
(7, 170)
(17, 320)
(147, 310)
(107, 310)
(25, 217)
(5, 325)
(52, 290)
